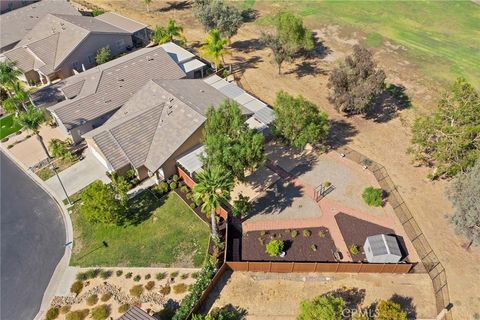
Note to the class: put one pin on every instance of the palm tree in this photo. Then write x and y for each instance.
(8, 75)
(20, 93)
(147, 3)
(172, 32)
(32, 119)
(214, 47)
(212, 186)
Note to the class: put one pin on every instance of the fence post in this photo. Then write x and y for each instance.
(293, 266)
(338, 265)
(248, 265)
(270, 267)
(315, 269)
(383, 266)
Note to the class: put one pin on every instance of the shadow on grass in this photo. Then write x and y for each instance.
(386, 106)
(175, 5)
(142, 207)
(340, 134)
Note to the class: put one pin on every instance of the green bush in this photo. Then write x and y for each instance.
(173, 185)
(175, 178)
(92, 300)
(165, 290)
(150, 284)
(123, 308)
(106, 274)
(148, 276)
(372, 196)
(100, 312)
(184, 189)
(128, 275)
(76, 287)
(97, 12)
(322, 307)
(77, 315)
(82, 276)
(180, 288)
(307, 233)
(354, 249)
(193, 205)
(195, 275)
(274, 248)
(161, 187)
(184, 276)
(313, 247)
(241, 206)
(136, 291)
(174, 274)
(322, 234)
(52, 313)
(119, 273)
(106, 296)
(161, 276)
(65, 309)
(294, 233)
(137, 278)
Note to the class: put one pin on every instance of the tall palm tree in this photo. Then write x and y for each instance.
(32, 119)
(172, 32)
(214, 47)
(17, 99)
(20, 93)
(8, 75)
(212, 186)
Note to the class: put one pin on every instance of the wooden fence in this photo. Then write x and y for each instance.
(327, 267)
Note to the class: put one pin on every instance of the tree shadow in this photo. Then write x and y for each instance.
(308, 67)
(215, 293)
(175, 5)
(340, 134)
(385, 107)
(249, 15)
(142, 206)
(406, 303)
(168, 311)
(320, 50)
(353, 297)
(239, 312)
(248, 45)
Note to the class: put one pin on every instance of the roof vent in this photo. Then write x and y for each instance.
(109, 100)
(202, 91)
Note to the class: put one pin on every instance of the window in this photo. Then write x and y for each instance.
(120, 44)
(91, 59)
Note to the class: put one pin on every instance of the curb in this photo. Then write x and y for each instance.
(64, 261)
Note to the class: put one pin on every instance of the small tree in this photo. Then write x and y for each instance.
(274, 248)
(356, 82)
(214, 47)
(464, 192)
(103, 55)
(8, 75)
(372, 196)
(100, 312)
(52, 313)
(298, 121)
(172, 32)
(322, 307)
(389, 310)
(216, 14)
(76, 287)
(449, 138)
(32, 119)
(59, 148)
(100, 204)
(241, 206)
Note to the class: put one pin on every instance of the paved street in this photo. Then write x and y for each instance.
(32, 242)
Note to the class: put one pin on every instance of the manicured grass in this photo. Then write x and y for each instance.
(167, 232)
(8, 125)
(441, 37)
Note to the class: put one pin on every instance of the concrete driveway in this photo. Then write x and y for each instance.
(78, 176)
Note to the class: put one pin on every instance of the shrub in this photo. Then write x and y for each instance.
(93, 273)
(173, 185)
(294, 233)
(65, 309)
(372, 196)
(307, 233)
(10, 146)
(150, 284)
(322, 307)
(195, 275)
(174, 274)
(354, 249)
(184, 276)
(97, 12)
(92, 300)
(180, 288)
(241, 206)
(313, 247)
(322, 234)
(81, 276)
(165, 290)
(52, 313)
(161, 276)
(274, 248)
(106, 296)
(128, 275)
(263, 232)
(123, 308)
(387, 309)
(184, 189)
(162, 187)
(100, 312)
(4, 139)
(119, 273)
(77, 315)
(76, 287)
(106, 274)
(175, 178)
(193, 205)
(137, 278)
(148, 276)
(136, 291)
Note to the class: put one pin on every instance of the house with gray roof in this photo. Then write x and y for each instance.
(60, 45)
(135, 313)
(382, 248)
(15, 24)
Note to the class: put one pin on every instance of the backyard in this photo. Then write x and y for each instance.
(8, 125)
(164, 233)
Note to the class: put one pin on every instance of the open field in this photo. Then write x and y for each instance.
(8, 125)
(167, 233)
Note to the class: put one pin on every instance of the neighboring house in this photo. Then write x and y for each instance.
(9, 5)
(163, 120)
(62, 45)
(139, 31)
(382, 248)
(14, 25)
(91, 97)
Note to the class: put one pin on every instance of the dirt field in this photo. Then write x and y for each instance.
(269, 293)
(373, 137)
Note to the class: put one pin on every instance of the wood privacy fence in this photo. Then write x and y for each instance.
(327, 267)
(429, 260)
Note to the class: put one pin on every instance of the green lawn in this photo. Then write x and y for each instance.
(168, 234)
(8, 125)
(442, 37)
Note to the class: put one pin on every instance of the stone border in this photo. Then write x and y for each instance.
(65, 260)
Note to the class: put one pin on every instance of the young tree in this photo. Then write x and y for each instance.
(103, 55)
(229, 143)
(100, 204)
(299, 121)
(214, 47)
(290, 37)
(8, 75)
(389, 310)
(356, 82)
(147, 4)
(172, 32)
(17, 98)
(32, 119)
(464, 192)
(322, 307)
(216, 14)
(449, 138)
(213, 185)
(59, 148)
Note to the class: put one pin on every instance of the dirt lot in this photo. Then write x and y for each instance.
(269, 293)
(373, 137)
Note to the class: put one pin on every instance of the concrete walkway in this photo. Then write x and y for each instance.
(78, 176)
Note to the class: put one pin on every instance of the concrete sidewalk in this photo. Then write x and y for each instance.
(78, 176)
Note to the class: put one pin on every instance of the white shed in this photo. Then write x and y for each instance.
(382, 248)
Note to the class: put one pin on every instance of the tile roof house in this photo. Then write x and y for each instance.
(59, 45)
(14, 25)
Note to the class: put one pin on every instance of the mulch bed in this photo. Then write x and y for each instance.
(298, 249)
(355, 231)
